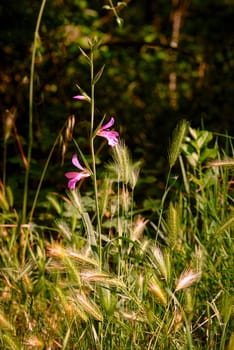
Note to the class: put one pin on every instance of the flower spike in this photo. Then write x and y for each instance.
(76, 176)
(110, 136)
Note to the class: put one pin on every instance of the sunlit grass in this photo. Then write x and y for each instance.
(175, 292)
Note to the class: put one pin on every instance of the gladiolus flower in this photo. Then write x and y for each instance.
(76, 176)
(110, 136)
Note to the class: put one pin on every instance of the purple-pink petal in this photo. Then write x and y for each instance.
(71, 174)
(72, 184)
(75, 176)
(109, 124)
(110, 136)
(76, 162)
(80, 97)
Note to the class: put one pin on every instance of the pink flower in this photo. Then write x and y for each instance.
(111, 136)
(83, 97)
(76, 176)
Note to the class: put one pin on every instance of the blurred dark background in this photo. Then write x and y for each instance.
(170, 60)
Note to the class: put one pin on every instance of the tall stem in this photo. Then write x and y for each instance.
(93, 155)
(30, 124)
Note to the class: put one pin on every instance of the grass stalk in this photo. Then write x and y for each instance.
(30, 124)
(43, 175)
(4, 165)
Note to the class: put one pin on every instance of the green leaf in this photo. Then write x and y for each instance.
(98, 75)
(84, 54)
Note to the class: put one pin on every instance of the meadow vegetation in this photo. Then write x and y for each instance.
(92, 268)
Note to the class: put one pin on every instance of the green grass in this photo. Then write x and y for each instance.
(159, 287)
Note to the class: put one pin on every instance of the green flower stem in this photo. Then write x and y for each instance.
(92, 93)
(93, 155)
(30, 130)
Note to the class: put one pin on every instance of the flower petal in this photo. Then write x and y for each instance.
(71, 174)
(75, 177)
(110, 136)
(113, 142)
(76, 162)
(109, 124)
(72, 184)
(80, 97)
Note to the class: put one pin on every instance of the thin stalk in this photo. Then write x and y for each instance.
(158, 331)
(132, 207)
(100, 331)
(92, 92)
(43, 175)
(30, 124)
(167, 189)
(119, 229)
(93, 155)
(4, 165)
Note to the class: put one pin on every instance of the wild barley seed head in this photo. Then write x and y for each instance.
(187, 278)
(64, 229)
(89, 306)
(155, 288)
(139, 227)
(34, 342)
(56, 251)
(177, 139)
(125, 169)
(160, 261)
(4, 323)
(178, 320)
